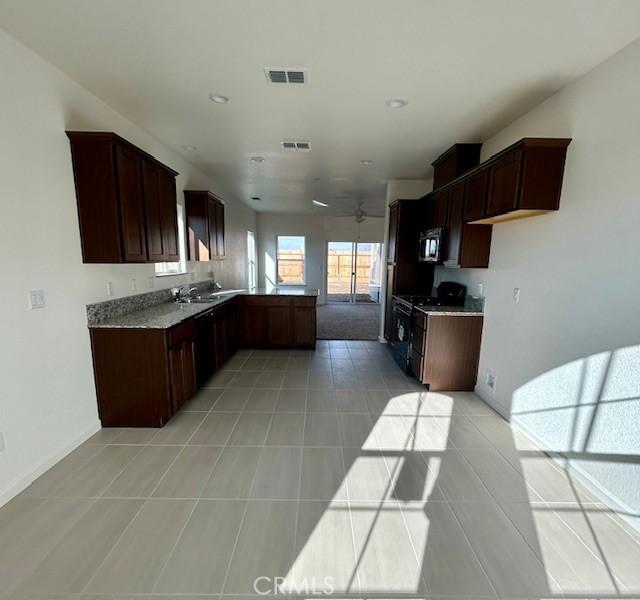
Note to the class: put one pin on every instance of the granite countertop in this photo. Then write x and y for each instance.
(449, 311)
(168, 314)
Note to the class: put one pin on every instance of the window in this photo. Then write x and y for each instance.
(180, 267)
(251, 260)
(290, 259)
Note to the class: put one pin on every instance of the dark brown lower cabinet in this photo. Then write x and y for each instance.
(445, 350)
(143, 375)
(279, 321)
(182, 364)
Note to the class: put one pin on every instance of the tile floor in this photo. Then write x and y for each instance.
(329, 470)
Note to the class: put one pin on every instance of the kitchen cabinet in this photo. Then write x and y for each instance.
(524, 180)
(454, 162)
(205, 225)
(437, 209)
(445, 350)
(475, 204)
(143, 376)
(405, 275)
(279, 321)
(126, 201)
(160, 213)
(182, 364)
(466, 245)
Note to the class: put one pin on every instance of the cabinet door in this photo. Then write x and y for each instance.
(189, 368)
(454, 231)
(168, 215)
(178, 394)
(475, 206)
(437, 209)
(393, 233)
(388, 314)
(255, 326)
(131, 204)
(153, 211)
(213, 228)
(279, 325)
(219, 207)
(504, 181)
(304, 327)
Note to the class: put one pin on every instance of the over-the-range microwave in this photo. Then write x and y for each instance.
(430, 245)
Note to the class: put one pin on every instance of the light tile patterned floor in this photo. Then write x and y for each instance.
(307, 466)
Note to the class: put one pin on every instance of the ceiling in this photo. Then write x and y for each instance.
(466, 67)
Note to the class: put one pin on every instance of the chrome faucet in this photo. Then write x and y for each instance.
(183, 294)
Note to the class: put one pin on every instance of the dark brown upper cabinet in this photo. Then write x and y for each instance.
(126, 201)
(524, 180)
(160, 212)
(437, 209)
(454, 162)
(466, 245)
(205, 225)
(475, 206)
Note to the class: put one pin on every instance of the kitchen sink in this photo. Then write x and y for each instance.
(209, 298)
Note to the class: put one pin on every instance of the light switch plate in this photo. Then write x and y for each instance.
(490, 380)
(36, 299)
(516, 295)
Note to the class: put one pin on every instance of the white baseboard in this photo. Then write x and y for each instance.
(23, 482)
(381, 339)
(582, 476)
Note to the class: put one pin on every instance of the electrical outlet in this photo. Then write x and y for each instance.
(36, 299)
(490, 380)
(110, 289)
(516, 295)
(1, 441)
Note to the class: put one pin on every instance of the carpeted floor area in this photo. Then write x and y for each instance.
(348, 321)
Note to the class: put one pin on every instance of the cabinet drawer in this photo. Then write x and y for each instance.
(304, 301)
(181, 332)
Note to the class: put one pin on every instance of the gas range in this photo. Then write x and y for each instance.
(420, 300)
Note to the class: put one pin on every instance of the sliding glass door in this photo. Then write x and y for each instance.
(353, 272)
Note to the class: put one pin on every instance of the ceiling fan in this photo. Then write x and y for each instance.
(359, 214)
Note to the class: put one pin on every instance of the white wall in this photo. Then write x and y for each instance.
(574, 337)
(47, 396)
(318, 231)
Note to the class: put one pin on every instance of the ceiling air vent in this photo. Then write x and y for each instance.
(294, 146)
(286, 75)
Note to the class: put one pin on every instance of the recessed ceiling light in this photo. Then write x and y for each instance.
(318, 203)
(257, 159)
(397, 102)
(189, 147)
(218, 98)
(256, 198)
(366, 162)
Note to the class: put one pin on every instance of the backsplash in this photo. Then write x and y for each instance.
(101, 311)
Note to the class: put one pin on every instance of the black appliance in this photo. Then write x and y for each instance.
(448, 293)
(401, 333)
(430, 245)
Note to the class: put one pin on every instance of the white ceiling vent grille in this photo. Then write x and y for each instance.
(286, 75)
(293, 146)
